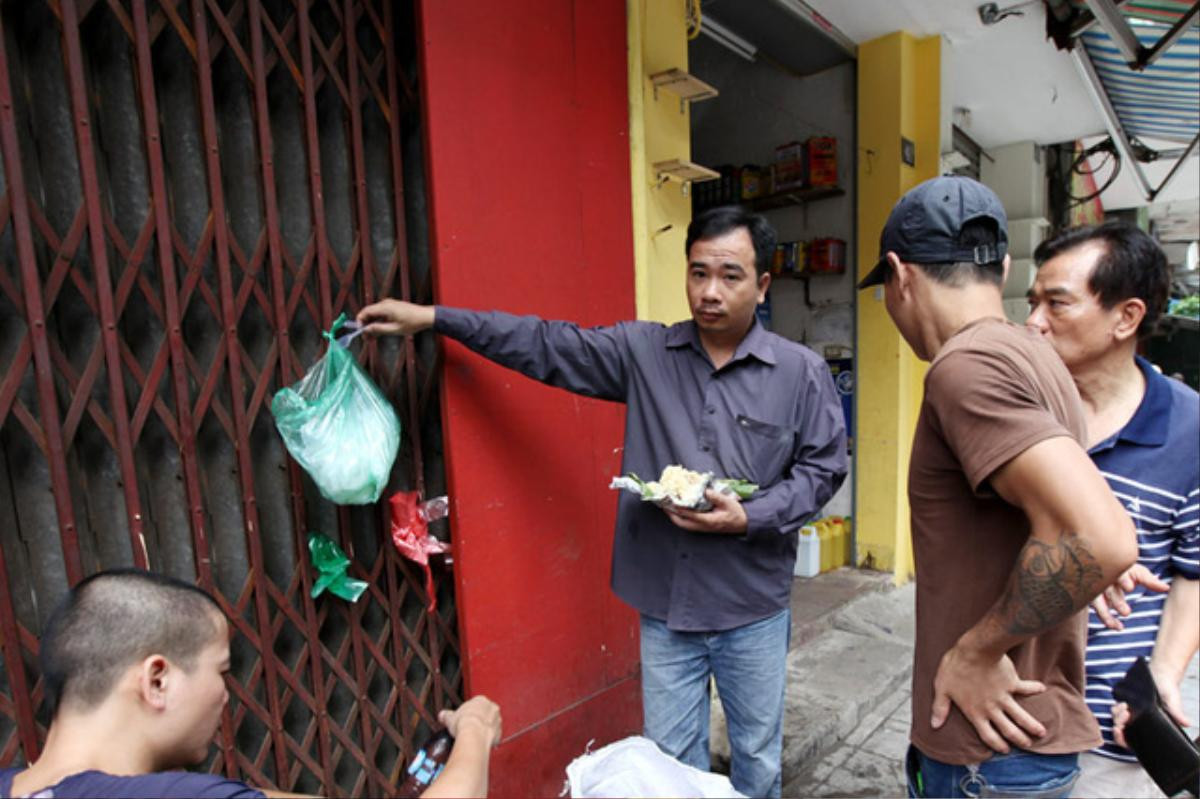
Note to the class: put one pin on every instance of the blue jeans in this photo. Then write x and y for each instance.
(1018, 774)
(750, 667)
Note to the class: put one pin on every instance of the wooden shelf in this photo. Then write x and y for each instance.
(687, 87)
(794, 197)
(684, 171)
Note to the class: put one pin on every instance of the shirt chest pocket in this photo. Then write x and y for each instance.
(766, 449)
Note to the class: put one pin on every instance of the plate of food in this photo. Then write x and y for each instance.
(680, 487)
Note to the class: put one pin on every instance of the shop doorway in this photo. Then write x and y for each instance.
(781, 133)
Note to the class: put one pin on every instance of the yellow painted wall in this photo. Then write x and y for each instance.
(899, 94)
(658, 131)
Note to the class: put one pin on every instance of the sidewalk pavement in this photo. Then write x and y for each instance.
(850, 657)
(847, 710)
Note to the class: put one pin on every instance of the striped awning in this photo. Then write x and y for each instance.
(1140, 61)
(1160, 100)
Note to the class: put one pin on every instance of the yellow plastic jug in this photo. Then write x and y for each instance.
(848, 526)
(837, 541)
(825, 531)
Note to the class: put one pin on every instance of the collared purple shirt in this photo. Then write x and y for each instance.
(770, 415)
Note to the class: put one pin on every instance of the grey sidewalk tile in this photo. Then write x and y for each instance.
(866, 728)
(832, 681)
(816, 601)
(886, 743)
(864, 774)
(898, 701)
(809, 780)
(876, 719)
(889, 614)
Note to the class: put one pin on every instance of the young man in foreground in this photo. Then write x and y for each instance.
(134, 666)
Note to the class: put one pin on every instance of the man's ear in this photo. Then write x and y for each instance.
(154, 676)
(902, 273)
(1130, 313)
(1006, 264)
(764, 282)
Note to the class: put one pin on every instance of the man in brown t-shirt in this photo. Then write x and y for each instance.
(1014, 530)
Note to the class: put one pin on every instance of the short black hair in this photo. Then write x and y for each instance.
(718, 221)
(112, 620)
(961, 273)
(1132, 266)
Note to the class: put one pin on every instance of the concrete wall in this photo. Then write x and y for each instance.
(1017, 173)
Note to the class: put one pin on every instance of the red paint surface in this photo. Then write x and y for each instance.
(528, 157)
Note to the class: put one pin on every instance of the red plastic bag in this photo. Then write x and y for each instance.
(410, 532)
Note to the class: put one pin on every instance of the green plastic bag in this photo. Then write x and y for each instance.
(331, 564)
(338, 425)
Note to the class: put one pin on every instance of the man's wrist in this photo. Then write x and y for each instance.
(741, 524)
(1165, 672)
(473, 727)
(973, 647)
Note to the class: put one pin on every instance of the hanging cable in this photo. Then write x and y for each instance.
(1082, 166)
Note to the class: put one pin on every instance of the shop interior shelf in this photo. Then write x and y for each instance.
(685, 86)
(683, 170)
(795, 197)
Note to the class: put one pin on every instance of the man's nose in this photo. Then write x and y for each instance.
(1036, 321)
(711, 288)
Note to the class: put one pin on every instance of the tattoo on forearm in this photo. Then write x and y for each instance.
(1050, 582)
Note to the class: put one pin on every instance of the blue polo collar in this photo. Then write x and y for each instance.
(757, 341)
(1151, 423)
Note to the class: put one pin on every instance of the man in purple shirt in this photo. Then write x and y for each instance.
(719, 394)
(134, 666)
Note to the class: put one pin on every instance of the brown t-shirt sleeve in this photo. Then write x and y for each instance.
(987, 411)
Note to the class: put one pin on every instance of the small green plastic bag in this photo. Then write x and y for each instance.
(331, 563)
(338, 425)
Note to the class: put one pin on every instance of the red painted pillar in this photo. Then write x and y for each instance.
(528, 156)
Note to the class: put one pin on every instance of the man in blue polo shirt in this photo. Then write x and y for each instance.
(1098, 291)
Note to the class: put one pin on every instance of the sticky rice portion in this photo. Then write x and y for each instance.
(681, 486)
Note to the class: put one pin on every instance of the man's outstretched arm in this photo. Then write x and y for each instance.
(587, 361)
(475, 726)
(1081, 539)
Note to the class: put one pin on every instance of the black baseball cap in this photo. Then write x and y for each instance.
(926, 225)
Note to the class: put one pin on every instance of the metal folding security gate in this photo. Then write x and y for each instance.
(191, 191)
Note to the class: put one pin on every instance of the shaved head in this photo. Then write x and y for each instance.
(115, 619)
